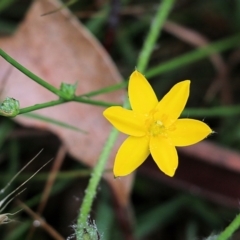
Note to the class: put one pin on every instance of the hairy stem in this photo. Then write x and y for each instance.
(90, 193)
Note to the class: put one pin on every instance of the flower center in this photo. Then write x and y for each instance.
(156, 128)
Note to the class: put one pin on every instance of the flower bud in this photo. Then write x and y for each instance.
(9, 107)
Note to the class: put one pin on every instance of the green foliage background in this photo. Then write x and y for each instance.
(159, 210)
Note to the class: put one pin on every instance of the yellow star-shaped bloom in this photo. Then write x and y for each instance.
(153, 126)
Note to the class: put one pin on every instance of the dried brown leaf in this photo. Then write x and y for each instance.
(58, 48)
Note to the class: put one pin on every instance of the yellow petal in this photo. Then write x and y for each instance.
(132, 153)
(173, 103)
(186, 132)
(164, 154)
(141, 95)
(126, 121)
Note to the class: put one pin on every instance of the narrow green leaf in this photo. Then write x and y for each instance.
(53, 121)
(195, 55)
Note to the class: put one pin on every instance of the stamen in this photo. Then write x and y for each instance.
(156, 128)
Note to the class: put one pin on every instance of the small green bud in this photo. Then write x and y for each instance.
(68, 89)
(9, 107)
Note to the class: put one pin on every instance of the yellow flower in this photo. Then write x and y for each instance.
(153, 126)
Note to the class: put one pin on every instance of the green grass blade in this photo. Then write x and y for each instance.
(195, 55)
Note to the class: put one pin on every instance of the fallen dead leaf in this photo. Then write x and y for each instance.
(58, 48)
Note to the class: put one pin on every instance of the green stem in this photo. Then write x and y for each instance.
(105, 90)
(85, 209)
(94, 102)
(230, 229)
(41, 105)
(93, 183)
(155, 30)
(61, 101)
(31, 75)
